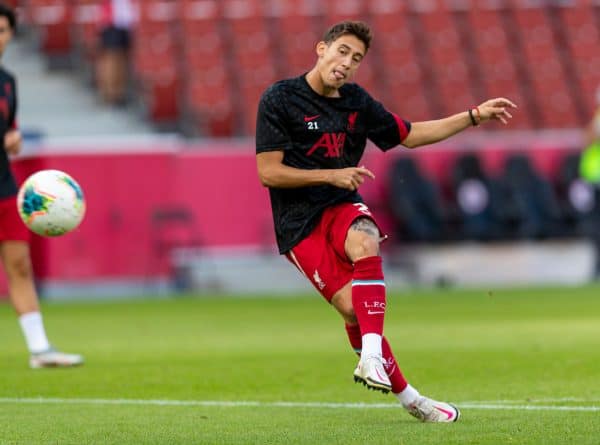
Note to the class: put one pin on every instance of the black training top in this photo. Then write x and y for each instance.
(318, 132)
(8, 111)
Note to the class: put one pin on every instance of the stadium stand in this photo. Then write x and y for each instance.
(297, 29)
(156, 61)
(207, 100)
(581, 39)
(252, 56)
(443, 54)
(192, 56)
(492, 57)
(403, 76)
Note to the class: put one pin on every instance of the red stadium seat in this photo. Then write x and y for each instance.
(447, 61)
(86, 28)
(297, 31)
(155, 59)
(52, 19)
(209, 101)
(339, 10)
(253, 64)
(583, 45)
(206, 82)
(400, 76)
(544, 68)
(496, 64)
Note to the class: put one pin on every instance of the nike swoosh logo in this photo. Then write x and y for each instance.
(449, 414)
(311, 118)
(375, 312)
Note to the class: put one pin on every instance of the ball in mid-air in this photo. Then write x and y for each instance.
(51, 203)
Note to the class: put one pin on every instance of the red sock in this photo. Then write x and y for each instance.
(391, 366)
(368, 295)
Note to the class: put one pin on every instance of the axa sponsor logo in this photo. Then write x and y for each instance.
(332, 143)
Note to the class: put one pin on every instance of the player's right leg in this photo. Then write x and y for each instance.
(421, 407)
(23, 295)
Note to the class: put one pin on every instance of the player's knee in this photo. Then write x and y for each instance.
(19, 267)
(361, 245)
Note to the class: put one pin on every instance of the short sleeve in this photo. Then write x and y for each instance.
(271, 129)
(386, 129)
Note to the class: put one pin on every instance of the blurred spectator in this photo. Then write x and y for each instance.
(115, 42)
(590, 158)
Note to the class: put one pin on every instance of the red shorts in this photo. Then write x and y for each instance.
(12, 227)
(321, 256)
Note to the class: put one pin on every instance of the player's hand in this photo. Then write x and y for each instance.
(350, 178)
(12, 142)
(495, 109)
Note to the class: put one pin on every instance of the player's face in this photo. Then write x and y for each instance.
(5, 34)
(339, 60)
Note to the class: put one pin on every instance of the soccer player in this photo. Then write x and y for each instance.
(310, 136)
(14, 236)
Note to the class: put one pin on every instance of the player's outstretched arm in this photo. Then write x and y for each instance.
(274, 173)
(428, 132)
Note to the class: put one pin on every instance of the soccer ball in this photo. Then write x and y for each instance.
(51, 203)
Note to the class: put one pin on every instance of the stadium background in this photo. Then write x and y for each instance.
(175, 202)
(230, 362)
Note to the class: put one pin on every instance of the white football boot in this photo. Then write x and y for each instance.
(428, 410)
(370, 372)
(52, 358)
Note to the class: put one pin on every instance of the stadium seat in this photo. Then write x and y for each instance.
(402, 88)
(497, 71)
(583, 46)
(52, 18)
(156, 61)
(415, 204)
(86, 28)
(206, 99)
(445, 58)
(339, 10)
(536, 203)
(478, 200)
(544, 67)
(297, 30)
(254, 64)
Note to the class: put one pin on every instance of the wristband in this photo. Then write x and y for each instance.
(473, 121)
(478, 115)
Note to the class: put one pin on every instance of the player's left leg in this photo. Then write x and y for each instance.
(16, 260)
(421, 407)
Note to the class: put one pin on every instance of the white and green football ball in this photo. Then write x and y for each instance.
(51, 203)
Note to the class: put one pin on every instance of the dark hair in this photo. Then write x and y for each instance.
(6, 11)
(358, 29)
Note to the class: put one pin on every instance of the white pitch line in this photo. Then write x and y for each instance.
(534, 400)
(242, 403)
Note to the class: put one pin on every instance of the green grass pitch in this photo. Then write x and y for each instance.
(524, 365)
